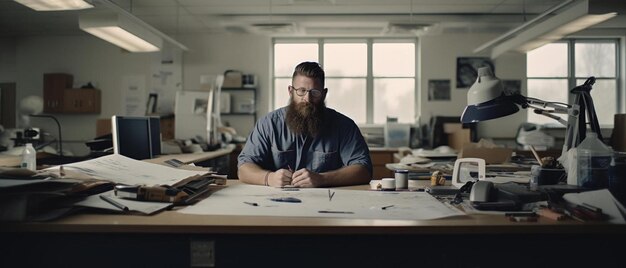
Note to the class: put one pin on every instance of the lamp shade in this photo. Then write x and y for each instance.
(486, 99)
(53, 5)
(121, 31)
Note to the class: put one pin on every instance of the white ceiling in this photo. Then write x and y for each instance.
(303, 17)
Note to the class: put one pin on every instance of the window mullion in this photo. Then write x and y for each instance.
(369, 84)
(571, 72)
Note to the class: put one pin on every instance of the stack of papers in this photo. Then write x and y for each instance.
(602, 199)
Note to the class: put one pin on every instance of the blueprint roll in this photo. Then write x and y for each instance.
(618, 137)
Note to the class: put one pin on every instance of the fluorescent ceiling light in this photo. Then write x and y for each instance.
(120, 30)
(51, 5)
(571, 16)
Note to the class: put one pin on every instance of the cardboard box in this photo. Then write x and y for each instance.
(233, 79)
(103, 127)
(491, 155)
(457, 135)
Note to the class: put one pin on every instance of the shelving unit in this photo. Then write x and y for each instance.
(59, 96)
(242, 102)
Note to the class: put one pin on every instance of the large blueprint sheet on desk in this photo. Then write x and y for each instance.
(121, 169)
(355, 204)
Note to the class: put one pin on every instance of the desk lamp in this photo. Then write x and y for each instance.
(32, 106)
(486, 100)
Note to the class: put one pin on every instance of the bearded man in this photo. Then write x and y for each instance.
(305, 144)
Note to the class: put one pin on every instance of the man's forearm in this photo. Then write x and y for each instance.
(348, 175)
(252, 174)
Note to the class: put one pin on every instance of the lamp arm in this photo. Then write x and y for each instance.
(557, 107)
(60, 141)
(550, 115)
(571, 130)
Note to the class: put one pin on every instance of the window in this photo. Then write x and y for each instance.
(554, 69)
(368, 80)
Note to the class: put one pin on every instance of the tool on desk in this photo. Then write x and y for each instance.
(532, 149)
(150, 193)
(386, 207)
(174, 162)
(335, 212)
(523, 218)
(330, 195)
(113, 202)
(290, 188)
(251, 203)
(521, 214)
(286, 199)
(550, 214)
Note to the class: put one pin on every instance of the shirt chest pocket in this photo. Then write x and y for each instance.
(283, 159)
(323, 161)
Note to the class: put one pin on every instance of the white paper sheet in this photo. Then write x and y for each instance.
(121, 169)
(94, 201)
(133, 95)
(357, 204)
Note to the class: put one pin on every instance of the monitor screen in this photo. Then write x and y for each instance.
(137, 137)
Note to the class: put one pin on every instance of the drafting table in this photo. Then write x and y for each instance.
(166, 240)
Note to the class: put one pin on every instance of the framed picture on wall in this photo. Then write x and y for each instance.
(467, 69)
(511, 87)
(439, 90)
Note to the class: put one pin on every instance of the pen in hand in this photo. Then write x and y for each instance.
(290, 170)
(113, 202)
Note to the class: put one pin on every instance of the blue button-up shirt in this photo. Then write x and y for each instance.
(273, 146)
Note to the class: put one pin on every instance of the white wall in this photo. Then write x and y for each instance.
(214, 54)
(89, 59)
(438, 61)
(7, 60)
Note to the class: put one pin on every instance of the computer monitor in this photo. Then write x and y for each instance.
(138, 137)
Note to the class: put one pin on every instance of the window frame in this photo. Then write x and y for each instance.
(571, 69)
(369, 77)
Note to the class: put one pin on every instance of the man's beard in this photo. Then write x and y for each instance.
(305, 117)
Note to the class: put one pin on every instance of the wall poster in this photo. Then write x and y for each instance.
(467, 69)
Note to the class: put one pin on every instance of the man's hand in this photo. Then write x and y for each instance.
(279, 178)
(307, 179)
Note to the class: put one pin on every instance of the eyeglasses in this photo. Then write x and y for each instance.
(303, 91)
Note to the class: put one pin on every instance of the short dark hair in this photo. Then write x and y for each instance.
(311, 70)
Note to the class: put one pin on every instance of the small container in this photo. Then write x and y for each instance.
(29, 157)
(402, 179)
(593, 162)
(388, 184)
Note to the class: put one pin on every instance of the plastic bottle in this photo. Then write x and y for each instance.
(593, 162)
(29, 157)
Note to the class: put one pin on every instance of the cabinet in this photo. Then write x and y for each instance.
(239, 101)
(60, 97)
(380, 157)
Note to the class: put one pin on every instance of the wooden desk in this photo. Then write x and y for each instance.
(165, 239)
(380, 157)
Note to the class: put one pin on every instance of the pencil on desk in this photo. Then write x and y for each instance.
(546, 212)
(113, 202)
(532, 149)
